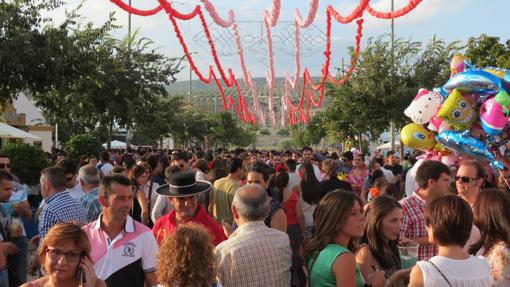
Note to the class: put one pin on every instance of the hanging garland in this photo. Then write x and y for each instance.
(270, 19)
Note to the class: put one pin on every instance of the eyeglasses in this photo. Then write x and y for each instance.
(55, 255)
(465, 179)
(4, 165)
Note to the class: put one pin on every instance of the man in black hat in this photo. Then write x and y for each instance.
(183, 190)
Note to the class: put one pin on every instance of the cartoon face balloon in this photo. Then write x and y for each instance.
(416, 136)
(424, 106)
(457, 64)
(492, 117)
(457, 111)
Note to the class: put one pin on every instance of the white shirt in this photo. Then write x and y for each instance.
(106, 168)
(316, 171)
(471, 272)
(76, 191)
(388, 175)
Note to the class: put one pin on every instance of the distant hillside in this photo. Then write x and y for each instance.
(182, 87)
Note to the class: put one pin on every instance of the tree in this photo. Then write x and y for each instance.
(20, 46)
(27, 161)
(83, 144)
(383, 85)
(112, 82)
(488, 51)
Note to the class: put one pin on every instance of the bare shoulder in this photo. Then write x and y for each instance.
(364, 253)
(100, 283)
(416, 277)
(36, 283)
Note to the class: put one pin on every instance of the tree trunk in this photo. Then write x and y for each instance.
(109, 138)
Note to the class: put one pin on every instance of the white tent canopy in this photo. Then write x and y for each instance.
(9, 132)
(115, 144)
(388, 145)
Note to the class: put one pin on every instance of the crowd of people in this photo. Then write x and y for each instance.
(255, 218)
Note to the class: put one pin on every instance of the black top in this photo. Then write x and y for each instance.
(395, 169)
(332, 184)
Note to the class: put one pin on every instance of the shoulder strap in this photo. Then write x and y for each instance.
(440, 272)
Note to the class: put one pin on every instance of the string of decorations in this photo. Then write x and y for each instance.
(296, 113)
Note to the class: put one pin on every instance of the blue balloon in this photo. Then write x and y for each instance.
(475, 81)
(463, 142)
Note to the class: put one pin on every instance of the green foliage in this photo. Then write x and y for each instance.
(383, 85)
(27, 161)
(488, 51)
(264, 132)
(311, 134)
(83, 144)
(283, 132)
(287, 145)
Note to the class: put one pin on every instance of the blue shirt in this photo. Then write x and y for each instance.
(61, 208)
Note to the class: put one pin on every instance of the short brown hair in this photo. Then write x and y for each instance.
(329, 167)
(105, 188)
(480, 171)
(56, 176)
(451, 220)
(430, 169)
(186, 258)
(63, 233)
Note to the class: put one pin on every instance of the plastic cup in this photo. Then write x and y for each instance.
(408, 254)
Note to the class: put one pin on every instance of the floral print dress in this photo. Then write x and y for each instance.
(499, 260)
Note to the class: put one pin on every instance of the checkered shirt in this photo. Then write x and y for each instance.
(91, 204)
(254, 255)
(413, 224)
(61, 208)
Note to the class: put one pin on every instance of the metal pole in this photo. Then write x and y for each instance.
(129, 47)
(189, 88)
(392, 123)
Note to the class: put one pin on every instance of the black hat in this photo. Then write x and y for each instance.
(183, 183)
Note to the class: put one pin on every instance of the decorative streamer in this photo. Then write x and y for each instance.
(295, 113)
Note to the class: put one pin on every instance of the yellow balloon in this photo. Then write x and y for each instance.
(416, 136)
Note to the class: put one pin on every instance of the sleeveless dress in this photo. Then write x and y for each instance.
(320, 267)
(471, 272)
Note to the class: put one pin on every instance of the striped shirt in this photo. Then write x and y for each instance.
(61, 207)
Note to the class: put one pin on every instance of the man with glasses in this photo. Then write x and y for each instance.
(17, 209)
(181, 160)
(9, 248)
(123, 250)
(469, 180)
(182, 191)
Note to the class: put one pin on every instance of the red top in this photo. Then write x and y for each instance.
(166, 225)
(290, 208)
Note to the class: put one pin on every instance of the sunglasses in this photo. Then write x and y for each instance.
(465, 179)
(3, 165)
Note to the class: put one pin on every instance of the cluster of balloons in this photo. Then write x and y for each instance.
(469, 115)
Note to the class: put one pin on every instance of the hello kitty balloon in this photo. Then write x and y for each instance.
(424, 106)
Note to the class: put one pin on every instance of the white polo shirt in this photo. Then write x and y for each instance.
(124, 260)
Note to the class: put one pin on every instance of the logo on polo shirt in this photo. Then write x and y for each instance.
(129, 250)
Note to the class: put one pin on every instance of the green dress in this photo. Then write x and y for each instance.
(321, 275)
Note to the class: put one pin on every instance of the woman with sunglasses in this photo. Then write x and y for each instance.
(64, 257)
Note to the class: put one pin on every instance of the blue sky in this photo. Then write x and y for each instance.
(448, 19)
